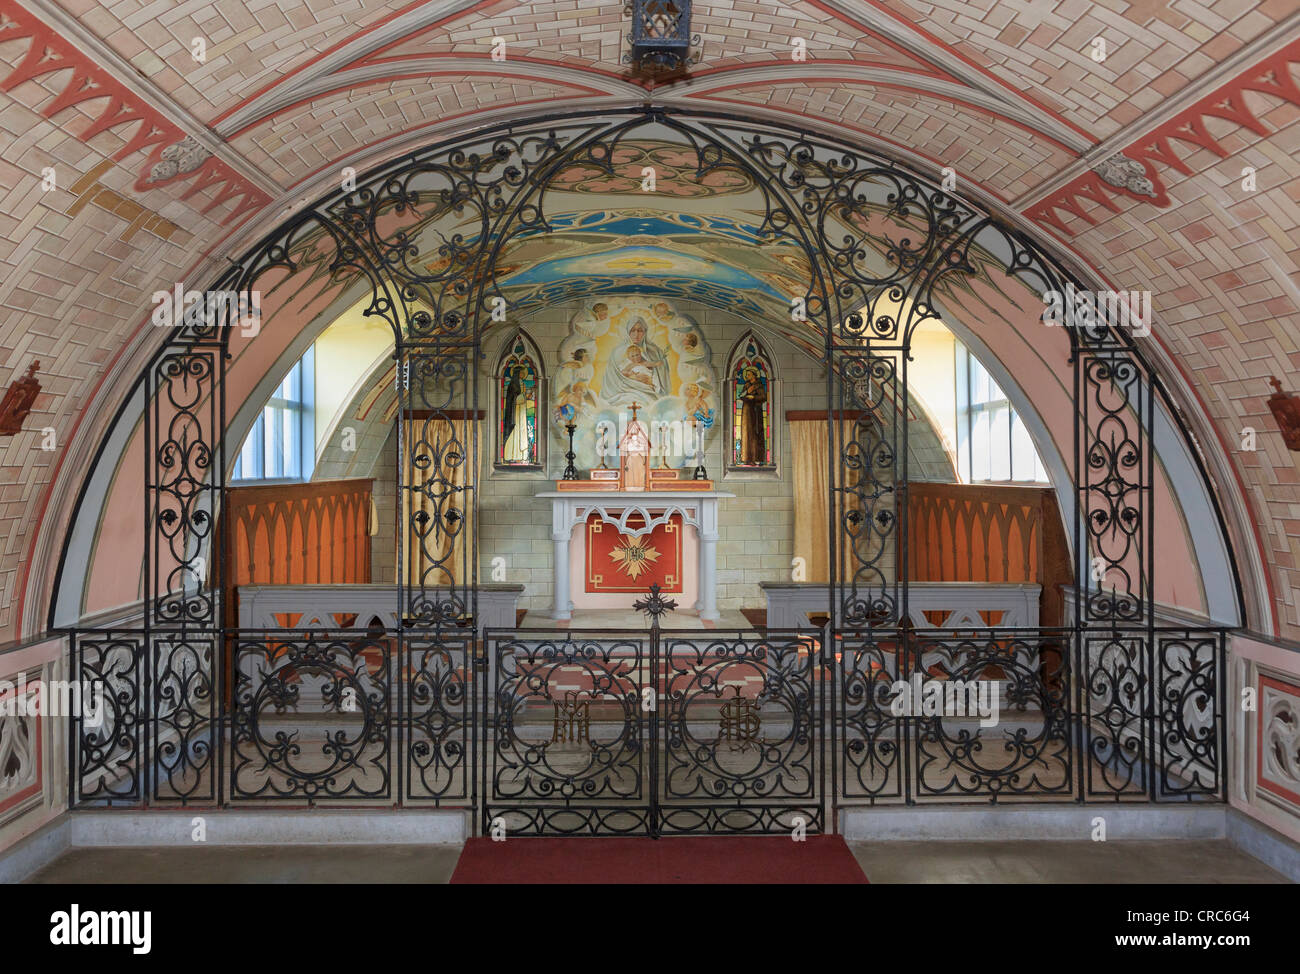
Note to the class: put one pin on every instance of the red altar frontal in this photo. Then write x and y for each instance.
(605, 551)
(616, 562)
(611, 546)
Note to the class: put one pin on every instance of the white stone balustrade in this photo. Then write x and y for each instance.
(789, 603)
(321, 606)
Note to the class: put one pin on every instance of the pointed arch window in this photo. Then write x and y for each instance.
(752, 388)
(518, 397)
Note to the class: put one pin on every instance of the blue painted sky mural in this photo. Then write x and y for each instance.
(641, 262)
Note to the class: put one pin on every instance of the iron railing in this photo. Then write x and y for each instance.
(649, 731)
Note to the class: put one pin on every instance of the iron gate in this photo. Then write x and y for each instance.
(654, 732)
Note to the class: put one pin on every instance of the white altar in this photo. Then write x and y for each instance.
(697, 508)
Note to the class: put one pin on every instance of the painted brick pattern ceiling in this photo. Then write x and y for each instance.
(164, 164)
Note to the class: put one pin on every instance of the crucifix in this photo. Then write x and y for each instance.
(634, 455)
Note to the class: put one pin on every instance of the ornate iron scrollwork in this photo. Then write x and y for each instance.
(1123, 708)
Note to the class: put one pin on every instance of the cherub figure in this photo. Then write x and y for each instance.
(697, 404)
(571, 400)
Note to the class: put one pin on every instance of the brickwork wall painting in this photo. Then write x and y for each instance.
(173, 155)
(786, 208)
(1141, 172)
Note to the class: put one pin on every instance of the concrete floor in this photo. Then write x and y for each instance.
(1023, 861)
(255, 864)
(883, 862)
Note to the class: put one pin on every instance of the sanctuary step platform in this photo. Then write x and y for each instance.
(587, 619)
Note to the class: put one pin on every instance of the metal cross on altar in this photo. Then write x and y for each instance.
(655, 606)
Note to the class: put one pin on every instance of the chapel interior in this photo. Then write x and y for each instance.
(396, 394)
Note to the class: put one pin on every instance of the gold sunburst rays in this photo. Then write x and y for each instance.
(634, 556)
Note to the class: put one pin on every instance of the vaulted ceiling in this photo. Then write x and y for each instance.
(1171, 164)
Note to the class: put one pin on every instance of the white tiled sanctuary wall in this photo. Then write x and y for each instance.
(515, 526)
(756, 527)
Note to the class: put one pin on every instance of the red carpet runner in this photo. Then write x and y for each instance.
(703, 859)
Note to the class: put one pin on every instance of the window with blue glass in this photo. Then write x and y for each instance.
(282, 443)
(993, 443)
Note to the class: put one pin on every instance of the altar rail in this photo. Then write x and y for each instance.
(1111, 715)
(403, 717)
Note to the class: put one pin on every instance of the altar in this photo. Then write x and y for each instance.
(636, 514)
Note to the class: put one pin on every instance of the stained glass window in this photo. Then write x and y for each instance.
(517, 413)
(751, 406)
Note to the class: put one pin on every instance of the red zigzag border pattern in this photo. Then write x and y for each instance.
(1272, 76)
(49, 53)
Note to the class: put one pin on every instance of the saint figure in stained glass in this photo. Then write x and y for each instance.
(751, 407)
(517, 401)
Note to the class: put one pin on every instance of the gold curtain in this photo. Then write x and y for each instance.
(810, 455)
(810, 459)
(447, 542)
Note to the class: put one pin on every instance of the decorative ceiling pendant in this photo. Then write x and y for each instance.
(18, 401)
(660, 39)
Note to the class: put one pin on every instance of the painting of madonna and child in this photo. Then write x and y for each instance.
(634, 351)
